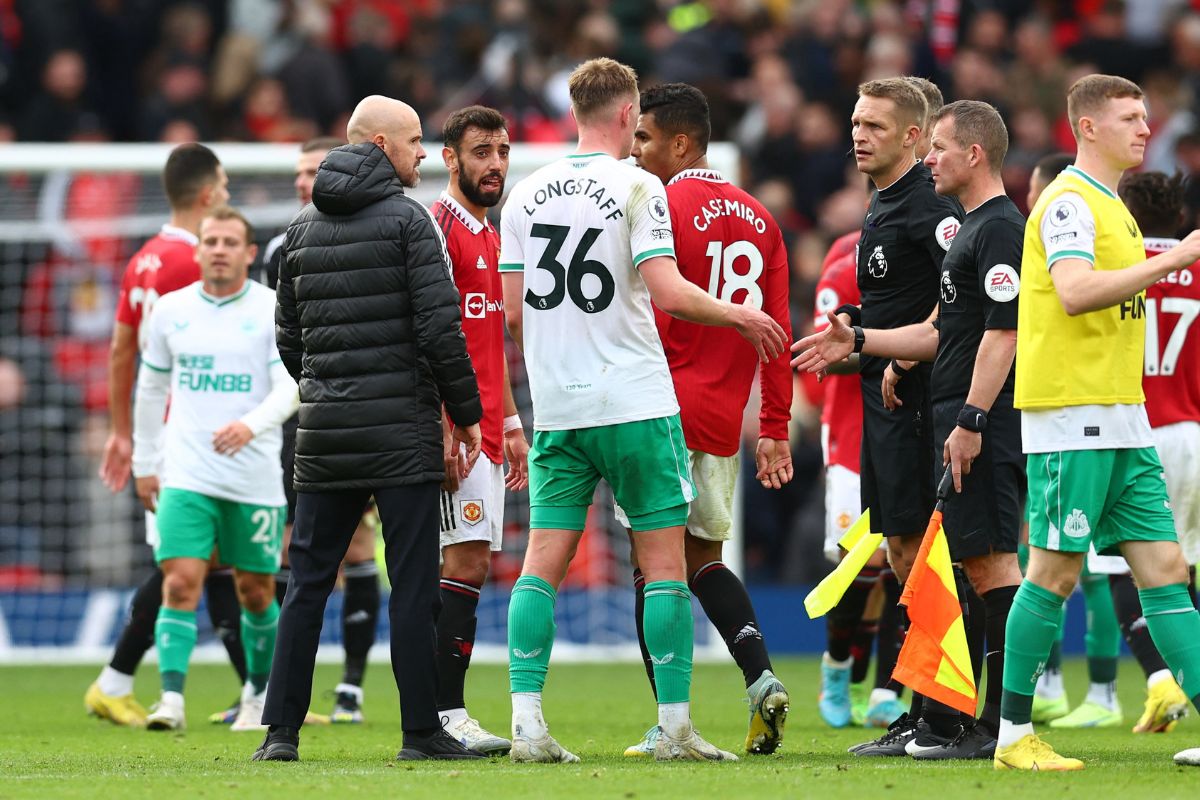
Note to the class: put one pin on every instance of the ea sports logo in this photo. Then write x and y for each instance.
(474, 305)
(1002, 283)
(945, 232)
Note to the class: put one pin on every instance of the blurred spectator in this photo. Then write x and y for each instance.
(54, 114)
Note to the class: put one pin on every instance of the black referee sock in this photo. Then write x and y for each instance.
(860, 649)
(1133, 623)
(639, 610)
(843, 619)
(281, 581)
(974, 622)
(360, 615)
(892, 623)
(455, 640)
(138, 634)
(724, 599)
(225, 613)
(997, 603)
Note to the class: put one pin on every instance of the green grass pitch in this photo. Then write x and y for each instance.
(49, 749)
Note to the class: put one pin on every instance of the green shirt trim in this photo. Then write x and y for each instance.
(156, 369)
(586, 155)
(224, 301)
(1061, 254)
(512, 267)
(1074, 170)
(658, 251)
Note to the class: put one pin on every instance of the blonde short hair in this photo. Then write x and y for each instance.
(1089, 94)
(595, 84)
(910, 102)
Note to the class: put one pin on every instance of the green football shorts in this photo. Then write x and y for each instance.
(645, 462)
(247, 537)
(1103, 497)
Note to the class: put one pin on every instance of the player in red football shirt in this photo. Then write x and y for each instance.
(194, 182)
(726, 242)
(475, 151)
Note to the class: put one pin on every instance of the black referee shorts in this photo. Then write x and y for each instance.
(986, 516)
(287, 457)
(896, 478)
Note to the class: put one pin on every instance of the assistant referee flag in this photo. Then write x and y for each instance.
(935, 660)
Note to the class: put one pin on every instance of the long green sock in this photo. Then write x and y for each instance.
(258, 642)
(175, 637)
(1033, 623)
(667, 621)
(1175, 628)
(1054, 660)
(1103, 639)
(530, 633)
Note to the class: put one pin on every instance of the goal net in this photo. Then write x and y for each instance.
(71, 552)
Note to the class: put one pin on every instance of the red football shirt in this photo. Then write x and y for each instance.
(1172, 368)
(726, 243)
(474, 249)
(841, 413)
(164, 263)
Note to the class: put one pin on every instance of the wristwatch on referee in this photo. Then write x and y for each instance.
(972, 419)
(860, 338)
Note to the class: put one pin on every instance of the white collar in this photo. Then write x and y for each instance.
(462, 215)
(1155, 244)
(710, 175)
(172, 232)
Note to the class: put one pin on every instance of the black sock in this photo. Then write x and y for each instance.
(916, 705)
(941, 718)
(997, 603)
(724, 599)
(220, 595)
(639, 609)
(1133, 624)
(891, 633)
(455, 640)
(281, 581)
(860, 649)
(843, 619)
(138, 634)
(360, 615)
(974, 622)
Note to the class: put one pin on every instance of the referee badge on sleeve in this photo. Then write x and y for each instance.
(1002, 283)
(945, 232)
(471, 511)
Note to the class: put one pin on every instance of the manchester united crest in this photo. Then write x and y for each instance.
(471, 511)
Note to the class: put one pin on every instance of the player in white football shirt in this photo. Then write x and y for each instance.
(214, 479)
(586, 243)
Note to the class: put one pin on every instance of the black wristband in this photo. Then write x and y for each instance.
(972, 419)
(852, 311)
(860, 338)
(899, 370)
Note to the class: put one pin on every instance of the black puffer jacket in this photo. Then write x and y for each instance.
(368, 324)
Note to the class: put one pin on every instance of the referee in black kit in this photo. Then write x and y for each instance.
(906, 233)
(973, 344)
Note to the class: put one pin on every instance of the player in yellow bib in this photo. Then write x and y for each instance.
(1094, 476)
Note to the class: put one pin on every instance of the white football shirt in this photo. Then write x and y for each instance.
(219, 353)
(578, 228)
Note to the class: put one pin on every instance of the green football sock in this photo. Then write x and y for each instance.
(530, 633)
(1103, 639)
(668, 624)
(175, 637)
(1033, 624)
(258, 643)
(1175, 628)
(1054, 660)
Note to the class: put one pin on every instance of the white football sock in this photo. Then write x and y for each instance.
(881, 695)
(116, 684)
(1104, 694)
(829, 661)
(453, 716)
(1155, 678)
(1050, 685)
(675, 719)
(1011, 732)
(527, 717)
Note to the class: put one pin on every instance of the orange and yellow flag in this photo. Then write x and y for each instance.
(935, 660)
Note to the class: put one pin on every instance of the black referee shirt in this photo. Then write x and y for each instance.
(905, 236)
(980, 279)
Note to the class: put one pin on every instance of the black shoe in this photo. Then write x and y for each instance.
(438, 745)
(892, 743)
(971, 742)
(927, 740)
(280, 744)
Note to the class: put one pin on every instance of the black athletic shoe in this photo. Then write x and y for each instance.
(927, 740)
(440, 745)
(892, 743)
(280, 744)
(970, 743)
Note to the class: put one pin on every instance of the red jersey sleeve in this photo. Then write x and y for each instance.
(1172, 368)
(776, 376)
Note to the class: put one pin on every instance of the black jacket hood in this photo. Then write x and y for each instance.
(353, 177)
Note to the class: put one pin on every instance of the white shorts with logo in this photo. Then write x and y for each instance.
(710, 515)
(843, 505)
(475, 513)
(1178, 447)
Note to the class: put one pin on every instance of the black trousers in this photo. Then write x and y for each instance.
(325, 523)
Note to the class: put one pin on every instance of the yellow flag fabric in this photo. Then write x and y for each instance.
(859, 544)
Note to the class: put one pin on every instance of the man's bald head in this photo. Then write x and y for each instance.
(395, 128)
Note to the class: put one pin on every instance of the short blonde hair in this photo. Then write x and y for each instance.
(910, 102)
(976, 122)
(223, 213)
(595, 84)
(1089, 94)
(932, 94)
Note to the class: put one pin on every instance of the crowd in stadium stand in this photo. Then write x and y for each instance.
(780, 75)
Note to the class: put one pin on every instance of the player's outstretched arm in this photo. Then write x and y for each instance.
(683, 299)
(122, 368)
(833, 344)
(1081, 288)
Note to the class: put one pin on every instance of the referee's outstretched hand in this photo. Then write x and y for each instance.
(829, 346)
(473, 440)
(760, 330)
